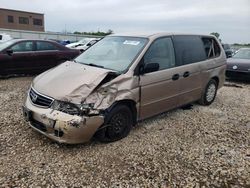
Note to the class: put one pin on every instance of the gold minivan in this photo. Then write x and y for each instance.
(123, 79)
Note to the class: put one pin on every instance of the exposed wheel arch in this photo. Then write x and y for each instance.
(128, 102)
(117, 123)
(216, 79)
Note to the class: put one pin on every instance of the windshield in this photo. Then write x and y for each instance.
(6, 44)
(115, 53)
(243, 54)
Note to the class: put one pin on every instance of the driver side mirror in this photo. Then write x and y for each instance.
(9, 51)
(150, 67)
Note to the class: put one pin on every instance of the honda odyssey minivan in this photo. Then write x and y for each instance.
(123, 79)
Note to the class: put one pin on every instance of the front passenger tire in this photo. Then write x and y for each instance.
(118, 124)
(209, 94)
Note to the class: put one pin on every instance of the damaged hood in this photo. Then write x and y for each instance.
(70, 81)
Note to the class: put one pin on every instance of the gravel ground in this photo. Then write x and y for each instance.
(197, 147)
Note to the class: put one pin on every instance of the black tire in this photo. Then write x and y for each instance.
(209, 94)
(118, 124)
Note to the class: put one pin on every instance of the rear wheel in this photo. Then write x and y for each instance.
(209, 94)
(118, 124)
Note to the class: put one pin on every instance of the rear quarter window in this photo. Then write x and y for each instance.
(188, 49)
(45, 46)
(211, 47)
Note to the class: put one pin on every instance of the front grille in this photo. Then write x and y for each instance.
(40, 99)
(238, 75)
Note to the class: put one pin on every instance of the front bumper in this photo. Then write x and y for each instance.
(59, 126)
(238, 74)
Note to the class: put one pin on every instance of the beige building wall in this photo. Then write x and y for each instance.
(21, 20)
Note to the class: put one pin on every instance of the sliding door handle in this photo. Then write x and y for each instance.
(175, 77)
(186, 74)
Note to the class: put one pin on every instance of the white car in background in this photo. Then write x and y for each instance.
(85, 46)
(4, 37)
(80, 43)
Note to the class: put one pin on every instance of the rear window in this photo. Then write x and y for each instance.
(43, 46)
(188, 49)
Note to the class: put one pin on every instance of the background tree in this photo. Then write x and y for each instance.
(98, 33)
(217, 35)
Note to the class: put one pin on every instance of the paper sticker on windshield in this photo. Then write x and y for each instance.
(131, 42)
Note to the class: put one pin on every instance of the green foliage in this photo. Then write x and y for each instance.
(98, 33)
(217, 35)
(241, 45)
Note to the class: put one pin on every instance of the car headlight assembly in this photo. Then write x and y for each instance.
(72, 109)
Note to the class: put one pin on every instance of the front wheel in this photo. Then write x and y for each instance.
(118, 124)
(209, 94)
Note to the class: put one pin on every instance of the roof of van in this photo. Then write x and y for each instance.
(154, 35)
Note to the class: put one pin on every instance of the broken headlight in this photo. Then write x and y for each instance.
(72, 109)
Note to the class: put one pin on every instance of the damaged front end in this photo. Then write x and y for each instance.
(74, 109)
(62, 123)
(74, 113)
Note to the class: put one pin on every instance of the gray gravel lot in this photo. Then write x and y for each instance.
(200, 147)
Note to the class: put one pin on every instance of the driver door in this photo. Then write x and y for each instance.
(20, 61)
(159, 89)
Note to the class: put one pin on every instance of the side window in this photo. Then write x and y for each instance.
(161, 51)
(211, 47)
(23, 20)
(23, 46)
(189, 49)
(10, 19)
(43, 46)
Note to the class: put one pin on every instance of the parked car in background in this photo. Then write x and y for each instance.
(80, 42)
(123, 79)
(228, 50)
(20, 56)
(4, 37)
(238, 67)
(64, 42)
(85, 46)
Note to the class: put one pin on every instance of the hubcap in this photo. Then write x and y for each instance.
(118, 123)
(211, 91)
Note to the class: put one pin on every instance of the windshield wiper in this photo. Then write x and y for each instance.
(90, 64)
(94, 65)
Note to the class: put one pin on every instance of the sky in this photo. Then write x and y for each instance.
(230, 18)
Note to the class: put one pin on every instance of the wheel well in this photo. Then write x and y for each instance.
(216, 79)
(132, 106)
